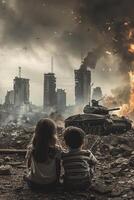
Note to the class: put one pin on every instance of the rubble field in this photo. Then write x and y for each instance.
(114, 178)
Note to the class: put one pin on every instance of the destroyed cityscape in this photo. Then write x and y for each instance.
(73, 62)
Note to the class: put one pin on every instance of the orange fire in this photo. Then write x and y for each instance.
(131, 48)
(131, 33)
(131, 101)
(124, 110)
(130, 38)
(127, 109)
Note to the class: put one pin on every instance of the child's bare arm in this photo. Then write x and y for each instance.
(92, 160)
(28, 158)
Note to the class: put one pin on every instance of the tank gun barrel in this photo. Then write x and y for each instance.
(113, 109)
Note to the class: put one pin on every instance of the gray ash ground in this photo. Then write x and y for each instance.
(114, 178)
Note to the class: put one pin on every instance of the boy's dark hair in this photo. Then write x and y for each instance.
(74, 137)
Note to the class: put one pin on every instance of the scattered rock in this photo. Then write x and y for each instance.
(92, 197)
(114, 151)
(119, 161)
(121, 182)
(105, 148)
(1, 161)
(125, 196)
(101, 188)
(131, 161)
(7, 158)
(116, 171)
(123, 140)
(132, 187)
(5, 170)
(116, 193)
(126, 150)
(114, 141)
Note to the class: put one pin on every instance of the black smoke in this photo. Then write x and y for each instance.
(69, 25)
(113, 19)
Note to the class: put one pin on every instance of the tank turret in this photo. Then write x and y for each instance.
(97, 109)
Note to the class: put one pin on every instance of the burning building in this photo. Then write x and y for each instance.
(49, 101)
(21, 91)
(61, 100)
(97, 93)
(82, 85)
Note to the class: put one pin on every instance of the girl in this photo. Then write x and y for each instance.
(43, 157)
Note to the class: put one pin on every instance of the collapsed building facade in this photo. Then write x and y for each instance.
(17, 102)
(9, 100)
(19, 96)
(21, 91)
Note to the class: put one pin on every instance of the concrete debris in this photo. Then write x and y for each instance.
(7, 159)
(114, 177)
(5, 170)
(131, 161)
(101, 188)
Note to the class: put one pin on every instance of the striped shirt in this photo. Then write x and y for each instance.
(78, 165)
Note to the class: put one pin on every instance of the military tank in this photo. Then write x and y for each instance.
(97, 119)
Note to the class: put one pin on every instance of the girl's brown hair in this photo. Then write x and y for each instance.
(44, 138)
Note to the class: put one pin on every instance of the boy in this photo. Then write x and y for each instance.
(78, 164)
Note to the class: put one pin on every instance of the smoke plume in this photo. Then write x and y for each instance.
(69, 25)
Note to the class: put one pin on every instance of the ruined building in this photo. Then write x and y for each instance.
(21, 91)
(97, 93)
(49, 101)
(9, 98)
(61, 100)
(82, 85)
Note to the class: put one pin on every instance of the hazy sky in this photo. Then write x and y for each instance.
(31, 31)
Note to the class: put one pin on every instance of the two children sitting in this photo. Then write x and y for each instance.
(45, 158)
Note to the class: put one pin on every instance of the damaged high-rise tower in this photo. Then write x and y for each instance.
(82, 85)
(61, 100)
(49, 101)
(21, 91)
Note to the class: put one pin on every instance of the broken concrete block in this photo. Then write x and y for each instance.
(5, 170)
